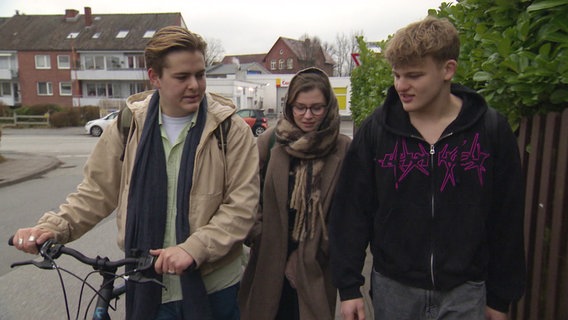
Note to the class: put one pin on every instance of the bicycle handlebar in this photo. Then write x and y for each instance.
(51, 250)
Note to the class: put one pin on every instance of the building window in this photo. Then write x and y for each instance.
(72, 35)
(149, 34)
(290, 63)
(4, 62)
(137, 87)
(44, 89)
(64, 88)
(5, 89)
(64, 62)
(112, 63)
(136, 62)
(96, 35)
(280, 64)
(102, 90)
(94, 62)
(42, 61)
(122, 34)
(272, 64)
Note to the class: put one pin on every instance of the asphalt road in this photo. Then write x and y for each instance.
(27, 292)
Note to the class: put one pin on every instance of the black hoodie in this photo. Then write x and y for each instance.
(436, 215)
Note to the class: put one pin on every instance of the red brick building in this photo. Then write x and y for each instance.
(288, 56)
(76, 59)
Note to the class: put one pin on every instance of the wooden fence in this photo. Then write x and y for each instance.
(17, 119)
(543, 141)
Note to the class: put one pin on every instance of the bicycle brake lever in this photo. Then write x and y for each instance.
(139, 278)
(21, 263)
(44, 264)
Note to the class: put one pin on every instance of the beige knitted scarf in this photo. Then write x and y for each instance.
(310, 149)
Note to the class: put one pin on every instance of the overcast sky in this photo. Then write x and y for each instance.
(253, 26)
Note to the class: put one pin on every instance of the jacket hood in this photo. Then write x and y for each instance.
(218, 107)
(396, 119)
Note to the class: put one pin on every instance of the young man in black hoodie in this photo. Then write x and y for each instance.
(432, 181)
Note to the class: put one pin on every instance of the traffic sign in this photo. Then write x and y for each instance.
(357, 58)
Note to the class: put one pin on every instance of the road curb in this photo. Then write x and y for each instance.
(18, 167)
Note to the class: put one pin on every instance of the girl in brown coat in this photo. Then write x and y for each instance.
(288, 275)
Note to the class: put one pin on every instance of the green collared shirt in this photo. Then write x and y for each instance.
(215, 281)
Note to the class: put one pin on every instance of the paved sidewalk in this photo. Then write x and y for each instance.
(16, 167)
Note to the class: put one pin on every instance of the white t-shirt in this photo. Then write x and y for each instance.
(174, 125)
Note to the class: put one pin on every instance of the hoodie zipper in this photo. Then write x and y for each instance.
(433, 203)
(432, 199)
(432, 206)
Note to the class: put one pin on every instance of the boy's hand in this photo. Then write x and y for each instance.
(28, 239)
(172, 260)
(353, 309)
(492, 314)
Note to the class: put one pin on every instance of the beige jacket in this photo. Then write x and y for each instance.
(224, 196)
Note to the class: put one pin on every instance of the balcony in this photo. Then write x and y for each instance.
(115, 75)
(8, 74)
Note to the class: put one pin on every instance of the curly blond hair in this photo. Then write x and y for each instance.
(431, 36)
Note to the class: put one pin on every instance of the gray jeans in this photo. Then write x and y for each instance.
(395, 301)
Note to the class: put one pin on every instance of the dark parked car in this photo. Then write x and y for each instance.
(255, 119)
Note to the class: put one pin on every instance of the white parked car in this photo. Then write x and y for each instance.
(97, 126)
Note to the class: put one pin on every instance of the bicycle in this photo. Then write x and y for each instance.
(107, 291)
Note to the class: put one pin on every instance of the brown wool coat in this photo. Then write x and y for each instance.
(262, 282)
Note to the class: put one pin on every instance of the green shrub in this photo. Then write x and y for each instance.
(60, 119)
(369, 82)
(5, 111)
(38, 109)
(89, 113)
(514, 53)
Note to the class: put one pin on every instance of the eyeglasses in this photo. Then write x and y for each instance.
(316, 110)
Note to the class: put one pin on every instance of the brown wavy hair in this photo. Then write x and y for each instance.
(167, 40)
(307, 80)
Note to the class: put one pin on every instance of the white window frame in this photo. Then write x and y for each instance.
(5, 89)
(135, 61)
(102, 90)
(273, 64)
(290, 63)
(94, 62)
(5, 63)
(122, 34)
(113, 63)
(48, 88)
(137, 87)
(42, 61)
(62, 64)
(63, 91)
(149, 34)
(280, 64)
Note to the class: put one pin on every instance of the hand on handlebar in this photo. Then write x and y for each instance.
(172, 260)
(29, 239)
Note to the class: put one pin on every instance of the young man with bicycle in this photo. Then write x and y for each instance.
(178, 190)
